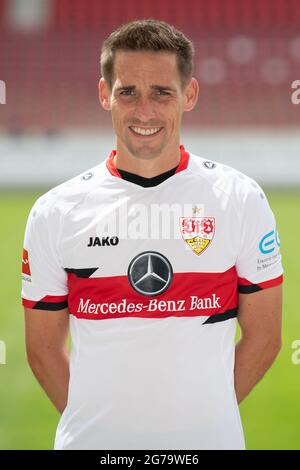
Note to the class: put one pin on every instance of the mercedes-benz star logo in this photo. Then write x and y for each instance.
(150, 273)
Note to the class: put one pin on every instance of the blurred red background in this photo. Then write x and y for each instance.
(247, 55)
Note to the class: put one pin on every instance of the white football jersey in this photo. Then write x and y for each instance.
(151, 277)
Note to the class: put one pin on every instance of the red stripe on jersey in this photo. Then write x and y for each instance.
(244, 282)
(184, 161)
(190, 294)
(52, 299)
(263, 285)
(271, 283)
(28, 303)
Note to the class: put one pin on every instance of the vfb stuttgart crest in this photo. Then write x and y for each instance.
(198, 232)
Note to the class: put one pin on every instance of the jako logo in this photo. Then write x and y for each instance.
(2, 92)
(269, 242)
(103, 241)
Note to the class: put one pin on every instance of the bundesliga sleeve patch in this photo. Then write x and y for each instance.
(25, 263)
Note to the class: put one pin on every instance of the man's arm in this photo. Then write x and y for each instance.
(46, 334)
(259, 317)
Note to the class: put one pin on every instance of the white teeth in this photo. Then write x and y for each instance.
(138, 130)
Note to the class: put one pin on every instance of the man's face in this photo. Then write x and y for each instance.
(147, 96)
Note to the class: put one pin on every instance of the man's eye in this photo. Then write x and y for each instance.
(126, 92)
(130, 92)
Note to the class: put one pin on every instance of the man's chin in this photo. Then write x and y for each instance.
(146, 151)
(146, 154)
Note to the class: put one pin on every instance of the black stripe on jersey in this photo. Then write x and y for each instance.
(83, 273)
(232, 313)
(146, 182)
(50, 305)
(248, 289)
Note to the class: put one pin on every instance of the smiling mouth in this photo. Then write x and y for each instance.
(142, 132)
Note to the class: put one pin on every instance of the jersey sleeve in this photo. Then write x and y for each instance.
(258, 263)
(44, 281)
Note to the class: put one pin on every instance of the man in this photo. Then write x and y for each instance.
(150, 257)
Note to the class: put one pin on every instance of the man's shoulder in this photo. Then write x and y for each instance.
(224, 178)
(61, 198)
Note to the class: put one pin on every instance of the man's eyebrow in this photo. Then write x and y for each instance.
(129, 87)
(154, 87)
(160, 87)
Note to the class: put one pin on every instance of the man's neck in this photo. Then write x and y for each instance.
(147, 168)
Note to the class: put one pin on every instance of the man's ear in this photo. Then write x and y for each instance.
(191, 94)
(104, 94)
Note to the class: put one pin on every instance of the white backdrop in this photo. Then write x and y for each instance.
(270, 157)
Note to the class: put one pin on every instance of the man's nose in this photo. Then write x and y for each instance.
(144, 109)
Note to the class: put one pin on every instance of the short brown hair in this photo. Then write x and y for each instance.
(147, 35)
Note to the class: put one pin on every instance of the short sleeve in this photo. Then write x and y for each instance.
(44, 281)
(259, 264)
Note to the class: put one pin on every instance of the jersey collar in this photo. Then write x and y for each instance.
(183, 164)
